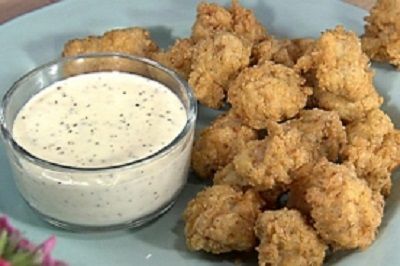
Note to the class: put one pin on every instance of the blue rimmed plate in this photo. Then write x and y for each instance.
(38, 37)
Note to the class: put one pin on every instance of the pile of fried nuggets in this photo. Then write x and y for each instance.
(304, 122)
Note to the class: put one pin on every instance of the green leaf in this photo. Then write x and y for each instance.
(3, 241)
(10, 248)
(22, 258)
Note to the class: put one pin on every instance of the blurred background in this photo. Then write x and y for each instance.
(12, 8)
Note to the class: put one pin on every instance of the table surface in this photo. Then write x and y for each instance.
(12, 8)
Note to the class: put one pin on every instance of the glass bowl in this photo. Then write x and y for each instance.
(103, 198)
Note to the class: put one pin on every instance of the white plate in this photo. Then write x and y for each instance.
(38, 37)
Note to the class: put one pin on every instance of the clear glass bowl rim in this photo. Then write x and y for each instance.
(7, 135)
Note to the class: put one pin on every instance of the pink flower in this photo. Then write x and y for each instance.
(4, 263)
(41, 252)
(5, 225)
(45, 249)
(26, 245)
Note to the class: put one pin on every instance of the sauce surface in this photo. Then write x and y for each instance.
(99, 120)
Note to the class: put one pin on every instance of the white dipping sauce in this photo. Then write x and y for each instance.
(102, 120)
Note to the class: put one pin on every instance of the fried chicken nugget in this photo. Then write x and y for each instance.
(215, 62)
(346, 213)
(348, 110)
(341, 75)
(213, 18)
(221, 219)
(323, 132)
(134, 41)
(339, 64)
(374, 149)
(267, 92)
(265, 164)
(269, 163)
(178, 57)
(219, 143)
(287, 240)
(381, 40)
(245, 23)
(285, 52)
(390, 150)
(228, 176)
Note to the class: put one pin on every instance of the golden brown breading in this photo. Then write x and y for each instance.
(374, 149)
(369, 130)
(339, 64)
(287, 240)
(322, 131)
(381, 40)
(177, 57)
(285, 52)
(264, 51)
(345, 211)
(348, 110)
(266, 164)
(390, 150)
(216, 61)
(341, 75)
(213, 18)
(267, 92)
(221, 219)
(133, 41)
(219, 143)
(228, 176)
(245, 23)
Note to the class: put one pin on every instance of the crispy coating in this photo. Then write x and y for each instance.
(390, 150)
(348, 110)
(245, 23)
(322, 131)
(374, 149)
(287, 240)
(221, 219)
(216, 61)
(265, 164)
(267, 92)
(134, 41)
(177, 57)
(371, 129)
(381, 40)
(269, 163)
(285, 52)
(228, 176)
(346, 213)
(213, 18)
(219, 143)
(339, 64)
(341, 75)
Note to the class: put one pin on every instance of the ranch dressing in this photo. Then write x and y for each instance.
(99, 120)
(102, 120)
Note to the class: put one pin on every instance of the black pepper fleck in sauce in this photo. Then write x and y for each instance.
(103, 123)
